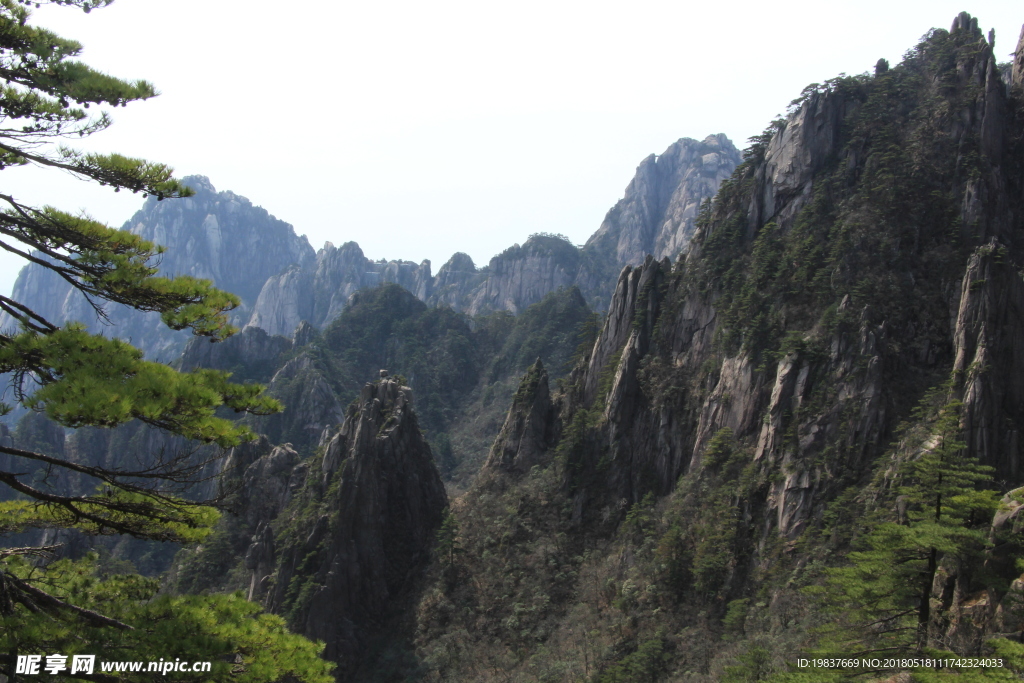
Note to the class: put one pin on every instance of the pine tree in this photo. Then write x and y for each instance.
(885, 593)
(73, 377)
(79, 379)
(448, 537)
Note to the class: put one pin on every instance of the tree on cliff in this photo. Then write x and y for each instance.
(885, 594)
(78, 379)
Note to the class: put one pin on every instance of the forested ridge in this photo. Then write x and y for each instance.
(798, 439)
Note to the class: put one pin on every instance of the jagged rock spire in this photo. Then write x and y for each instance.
(1017, 73)
(965, 22)
(528, 431)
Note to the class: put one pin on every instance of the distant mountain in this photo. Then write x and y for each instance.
(319, 290)
(282, 281)
(214, 235)
(658, 213)
(656, 216)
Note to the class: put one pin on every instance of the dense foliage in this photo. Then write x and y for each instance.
(77, 379)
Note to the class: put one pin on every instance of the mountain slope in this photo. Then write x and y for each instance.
(746, 415)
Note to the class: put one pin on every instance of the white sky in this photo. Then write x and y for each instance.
(423, 128)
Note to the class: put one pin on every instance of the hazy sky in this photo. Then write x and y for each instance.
(419, 129)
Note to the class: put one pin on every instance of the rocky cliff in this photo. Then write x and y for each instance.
(528, 431)
(783, 329)
(519, 276)
(337, 542)
(358, 533)
(745, 414)
(318, 291)
(213, 235)
(658, 212)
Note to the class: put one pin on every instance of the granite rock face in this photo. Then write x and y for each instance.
(989, 361)
(213, 235)
(302, 385)
(318, 291)
(522, 275)
(658, 212)
(1017, 71)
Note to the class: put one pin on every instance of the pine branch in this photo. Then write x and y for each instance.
(45, 601)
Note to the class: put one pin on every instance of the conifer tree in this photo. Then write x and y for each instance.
(448, 537)
(885, 593)
(80, 379)
(73, 377)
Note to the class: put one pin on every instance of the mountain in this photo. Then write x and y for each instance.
(750, 416)
(336, 542)
(656, 215)
(213, 235)
(799, 436)
(463, 372)
(658, 212)
(318, 291)
(282, 281)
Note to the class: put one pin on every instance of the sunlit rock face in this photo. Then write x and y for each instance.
(657, 215)
(219, 236)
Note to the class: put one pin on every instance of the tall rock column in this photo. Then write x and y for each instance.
(357, 542)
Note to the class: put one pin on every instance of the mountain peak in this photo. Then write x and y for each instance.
(200, 183)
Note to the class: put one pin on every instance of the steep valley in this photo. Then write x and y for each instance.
(791, 427)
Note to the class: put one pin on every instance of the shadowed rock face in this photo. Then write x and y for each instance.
(251, 347)
(989, 346)
(528, 431)
(379, 499)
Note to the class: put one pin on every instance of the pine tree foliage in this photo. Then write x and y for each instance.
(448, 538)
(73, 377)
(79, 379)
(885, 594)
(122, 618)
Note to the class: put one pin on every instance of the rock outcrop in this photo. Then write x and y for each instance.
(302, 385)
(528, 432)
(1017, 70)
(521, 276)
(658, 212)
(989, 361)
(378, 500)
(318, 291)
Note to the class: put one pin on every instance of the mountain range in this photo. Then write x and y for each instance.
(720, 436)
(282, 281)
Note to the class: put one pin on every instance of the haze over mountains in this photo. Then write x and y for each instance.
(713, 438)
(283, 281)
